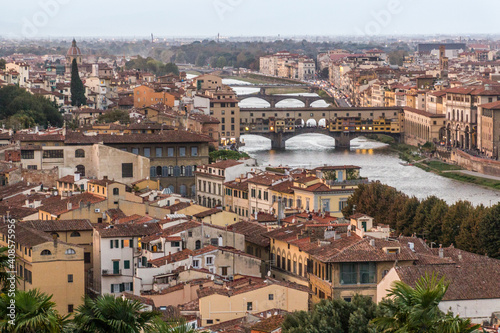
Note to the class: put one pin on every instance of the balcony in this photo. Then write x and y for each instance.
(111, 272)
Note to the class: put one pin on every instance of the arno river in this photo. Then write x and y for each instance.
(377, 162)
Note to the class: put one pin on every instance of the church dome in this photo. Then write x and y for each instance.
(74, 50)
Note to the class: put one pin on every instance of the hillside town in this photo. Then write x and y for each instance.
(139, 187)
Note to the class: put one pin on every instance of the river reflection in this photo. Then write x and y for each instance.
(377, 163)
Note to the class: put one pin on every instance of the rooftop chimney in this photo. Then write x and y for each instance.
(69, 205)
(441, 251)
(372, 242)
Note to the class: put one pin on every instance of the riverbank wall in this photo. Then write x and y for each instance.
(474, 163)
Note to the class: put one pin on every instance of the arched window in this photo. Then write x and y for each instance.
(81, 170)
(75, 234)
(80, 153)
(46, 253)
(183, 190)
(70, 251)
(158, 171)
(55, 234)
(197, 245)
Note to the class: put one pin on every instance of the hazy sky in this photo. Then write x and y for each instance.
(42, 18)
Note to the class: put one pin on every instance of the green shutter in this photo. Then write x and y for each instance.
(111, 244)
(131, 244)
(131, 286)
(116, 243)
(122, 287)
(112, 288)
(126, 264)
(122, 243)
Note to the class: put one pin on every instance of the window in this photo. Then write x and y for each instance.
(224, 271)
(196, 263)
(209, 261)
(79, 153)
(116, 191)
(175, 244)
(197, 245)
(214, 242)
(81, 170)
(210, 321)
(70, 278)
(249, 306)
(127, 170)
(194, 151)
(158, 152)
(170, 152)
(367, 272)
(182, 151)
(86, 257)
(53, 153)
(46, 253)
(271, 297)
(27, 154)
(70, 251)
(126, 264)
(190, 234)
(70, 308)
(75, 234)
(147, 152)
(348, 273)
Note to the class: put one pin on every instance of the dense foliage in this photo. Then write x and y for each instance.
(111, 116)
(222, 154)
(77, 88)
(334, 316)
(152, 66)
(20, 109)
(471, 228)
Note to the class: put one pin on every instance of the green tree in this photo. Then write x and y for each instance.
(221, 62)
(2, 63)
(469, 238)
(452, 221)
(334, 316)
(20, 109)
(489, 232)
(415, 309)
(223, 154)
(77, 89)
(4, 267)
(171, 68)
(109, 314)
(35, 313)
(112, 116)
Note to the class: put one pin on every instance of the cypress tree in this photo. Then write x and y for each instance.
(77, 89)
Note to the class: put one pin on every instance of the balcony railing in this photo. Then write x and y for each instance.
(111, 272)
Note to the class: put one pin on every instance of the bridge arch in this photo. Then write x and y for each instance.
(253, 102)
(311, 123)
(323, 122)
(290, 102)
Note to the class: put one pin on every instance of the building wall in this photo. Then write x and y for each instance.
(57, 266)
(145, 96)
(200, 233)
(477, 310)
(220, 308)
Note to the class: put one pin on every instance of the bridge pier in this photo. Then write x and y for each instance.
(277, 142)
(343, 141)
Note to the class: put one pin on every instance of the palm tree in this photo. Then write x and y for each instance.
(109, 314)
(415, 310)
(34, 312)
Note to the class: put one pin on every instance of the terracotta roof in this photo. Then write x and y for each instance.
(319, 187)
(224, 164)
(175, 229)
(178, 206)
(424, 113)
(61, 206)
(253, 232)
(127, 230)
(269, 324)
(169, 136)
(17, 212)
(492, 106)
(30, 237)
(67, 179)
(208, 213)
(283, 187)
(265, 217)
(173, 257)
(265, 179)
(11, 190)
(60, 225)
(471, 280)
(237, 185)
(144, 300)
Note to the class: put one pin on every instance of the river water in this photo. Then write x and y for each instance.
(377, 162)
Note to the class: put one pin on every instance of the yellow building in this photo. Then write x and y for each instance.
(217, 216)
(249, 295)
(47, 264)
(422, 126)
(236, 197)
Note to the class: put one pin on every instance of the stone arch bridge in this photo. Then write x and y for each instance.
(274, 99)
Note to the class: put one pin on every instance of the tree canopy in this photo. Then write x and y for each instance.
(20, 109)
(471, 228)
(112, 116)
(153, 66)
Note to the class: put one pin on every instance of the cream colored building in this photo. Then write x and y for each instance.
(49, 265)
(252, 295)
(422, 126)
